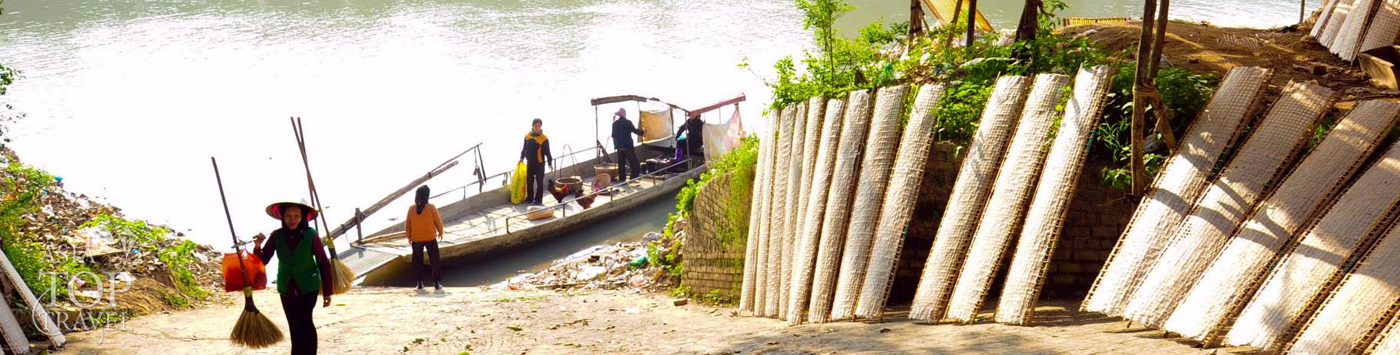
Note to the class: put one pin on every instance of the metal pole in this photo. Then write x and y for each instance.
(1301, 10)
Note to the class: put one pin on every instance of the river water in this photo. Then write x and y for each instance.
(127, 99)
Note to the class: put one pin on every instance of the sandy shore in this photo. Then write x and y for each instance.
(482, 321)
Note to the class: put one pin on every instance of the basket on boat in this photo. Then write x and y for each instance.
(537, 213)
(605, 168)
(573, 182)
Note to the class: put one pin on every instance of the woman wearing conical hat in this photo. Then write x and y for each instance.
(303, 271)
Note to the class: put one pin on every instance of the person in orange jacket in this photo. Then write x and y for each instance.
(424, 229)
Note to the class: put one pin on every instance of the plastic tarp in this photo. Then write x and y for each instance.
(655, 120)
(720, 138)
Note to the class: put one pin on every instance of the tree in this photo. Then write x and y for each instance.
(821, 18)
(916, 18)
(1030, 20)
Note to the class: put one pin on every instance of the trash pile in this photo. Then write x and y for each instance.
(57, 228)
(603, 267)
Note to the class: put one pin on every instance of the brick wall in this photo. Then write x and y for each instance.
(1097, 215)
(711, 263)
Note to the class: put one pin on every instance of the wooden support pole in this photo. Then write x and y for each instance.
(1140, 83)
(957, 8)
(916, 18)
(1160, 111)
(359, 219)
(971, 23)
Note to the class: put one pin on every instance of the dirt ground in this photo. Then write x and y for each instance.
(1290, 52)
(482, 321)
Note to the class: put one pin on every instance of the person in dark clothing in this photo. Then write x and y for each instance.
(694, 139)
(536, 154)
(622, 131)
(303, 272)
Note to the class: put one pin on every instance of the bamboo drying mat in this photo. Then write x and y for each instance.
(1354, 30)
(966, 203)
(777, 214)
(873, 249)
(898, 204)
(1335, 23)
(812, 145)
(1296, 284)
(748, 295)
(1178, 184)
(1053, 194)
(1385, 27)
(1389, 340)
(832, 205)
(765, 233)
(1323, 18)
(790, 224)
(1353, 315)
(1006, 209)
(1257, 167)
(1234, 275)
(848, 201)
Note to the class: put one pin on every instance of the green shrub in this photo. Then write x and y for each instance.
(1185, 92)
(739, 164)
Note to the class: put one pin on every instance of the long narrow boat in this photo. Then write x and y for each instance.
(488, 224)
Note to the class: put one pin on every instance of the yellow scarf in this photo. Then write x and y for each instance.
(539, 141)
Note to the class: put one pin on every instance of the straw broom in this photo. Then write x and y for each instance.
(342, 276)
(253, 329)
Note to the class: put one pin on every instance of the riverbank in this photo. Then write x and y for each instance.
(89, 265)
(498, 321)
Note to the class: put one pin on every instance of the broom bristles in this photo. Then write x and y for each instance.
(255, 331)
(343, 277)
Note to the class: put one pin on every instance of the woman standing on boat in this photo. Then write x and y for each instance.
(694, 140)
(536, 154)
(622, 131)
(424, 229)
(302, 272)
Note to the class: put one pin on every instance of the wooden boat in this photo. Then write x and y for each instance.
(487, 224)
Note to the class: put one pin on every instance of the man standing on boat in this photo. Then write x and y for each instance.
(536, 154)
(694, 140)
(622, 131)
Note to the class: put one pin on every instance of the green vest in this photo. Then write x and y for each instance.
(298, 264)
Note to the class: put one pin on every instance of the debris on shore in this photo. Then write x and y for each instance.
(96, 260)
(602, 267)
